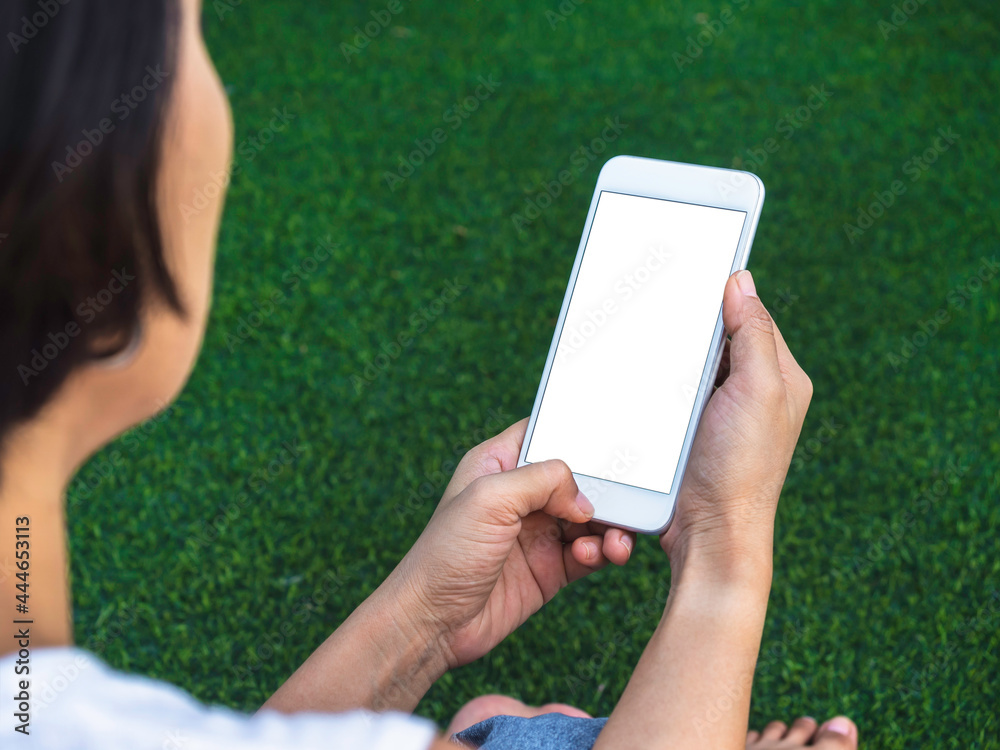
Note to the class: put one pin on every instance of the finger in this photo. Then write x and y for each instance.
(723, 373)
(758, 349)
(795, 377)
(573, 531)
(583, 557)
(546, 486)
(618, 545)
(499, 453)
(753, 353)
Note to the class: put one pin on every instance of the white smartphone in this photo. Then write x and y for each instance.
(637, 345)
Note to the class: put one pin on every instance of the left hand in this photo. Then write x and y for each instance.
(501, 543)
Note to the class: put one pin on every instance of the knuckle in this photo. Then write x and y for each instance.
(482, 459)
(478, 488)
(557, 471)
(489, 499)
(477, 453)
(548, 539)
(807, 387)
(760, 321)
(771, 389)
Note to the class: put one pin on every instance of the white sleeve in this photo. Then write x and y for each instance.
(76, 701)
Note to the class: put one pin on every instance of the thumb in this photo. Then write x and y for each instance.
(753, 353)
(547, 486)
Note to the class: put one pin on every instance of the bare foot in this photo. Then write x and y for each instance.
(487, 706)
(838, 733)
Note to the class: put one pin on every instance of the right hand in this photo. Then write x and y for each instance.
(724, 519)
(501, 543)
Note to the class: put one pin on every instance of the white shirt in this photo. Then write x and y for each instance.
(76, 701)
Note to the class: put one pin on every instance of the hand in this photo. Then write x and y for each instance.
(725, 509)
(501, 543)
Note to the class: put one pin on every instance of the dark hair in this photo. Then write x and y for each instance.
(80, 240)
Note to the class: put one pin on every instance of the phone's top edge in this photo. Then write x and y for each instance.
(686, 165)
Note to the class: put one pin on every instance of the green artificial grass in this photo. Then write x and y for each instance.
(279, 484)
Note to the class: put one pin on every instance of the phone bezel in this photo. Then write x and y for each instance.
(622, 505)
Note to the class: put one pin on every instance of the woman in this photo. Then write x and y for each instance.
(115, 119)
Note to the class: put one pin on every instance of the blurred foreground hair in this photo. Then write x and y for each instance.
(84, 89)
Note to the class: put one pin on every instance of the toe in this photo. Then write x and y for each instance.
(802, 730)
(839, 733)
(752, 736)
(774, 731)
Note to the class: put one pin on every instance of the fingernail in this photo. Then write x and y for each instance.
(584, 505)
(591, 549)
(627, 543)
(840, 725)
(744, 280)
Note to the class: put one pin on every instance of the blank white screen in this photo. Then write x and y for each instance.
(636, 337)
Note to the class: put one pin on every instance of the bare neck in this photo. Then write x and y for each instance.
(35, 468)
